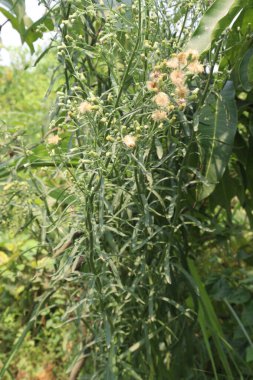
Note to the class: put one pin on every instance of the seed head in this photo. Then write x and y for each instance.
(182, 91)
(85, 107)
(192, 54)
(195, 67)
(159, 115)
(53, 139)
(152, 86)
(182, 58)
(161, 99)
(172, 63)
(129, 141)
(177, 78)
(156, 76)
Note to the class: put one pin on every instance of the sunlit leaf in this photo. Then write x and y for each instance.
(216, 19)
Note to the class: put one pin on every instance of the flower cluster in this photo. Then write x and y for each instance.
(53, 139)
(177, 68)
(85, 107)
(168, 82)
(183, 64)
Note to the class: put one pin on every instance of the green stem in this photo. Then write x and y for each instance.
(40, 164)
(207, 86)
(183, 25)
(128, 66)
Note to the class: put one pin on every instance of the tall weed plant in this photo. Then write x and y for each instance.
(125, 127)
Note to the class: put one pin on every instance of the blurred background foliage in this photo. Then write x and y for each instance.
(24, 267)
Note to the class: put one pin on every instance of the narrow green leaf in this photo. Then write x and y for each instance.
(159, 149)
(108, 334)
(241, 325)
(42, 55)
(130, 371)
(209, 320)
(202, 322)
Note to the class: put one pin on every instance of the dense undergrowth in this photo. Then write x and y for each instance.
(134, 251)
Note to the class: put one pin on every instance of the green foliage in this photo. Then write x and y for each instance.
(134, 193)
(215, 21)
(15, 12)
(24, 102)
(215, 135)
(24, 265)
(23, 99)
(20, 263)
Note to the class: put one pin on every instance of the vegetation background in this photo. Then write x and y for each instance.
(126, 192)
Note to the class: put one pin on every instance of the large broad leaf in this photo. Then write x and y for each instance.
(237, 43)
(14, 11)
(32, 34)
(14, 5)
(217, 18)
(246, 70)
(13, 20)
(215, 137)
(249, 167)
(7, 3)
(223, 193)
